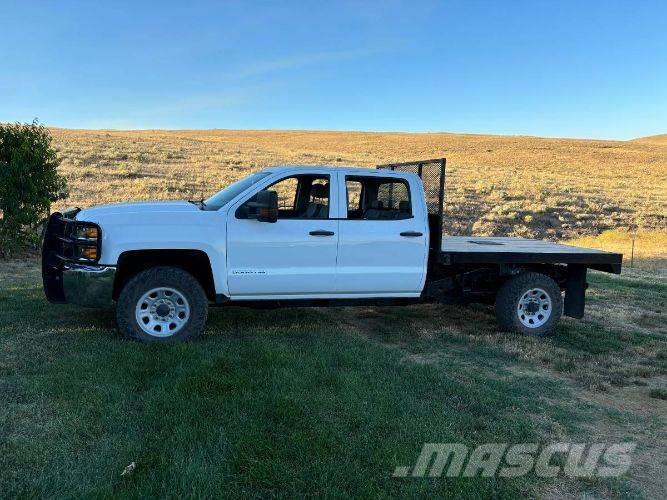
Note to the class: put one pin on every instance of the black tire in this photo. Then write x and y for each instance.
(515, 289)
(155, 277)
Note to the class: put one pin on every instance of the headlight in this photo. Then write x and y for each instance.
(88, 253)
(87, 232)
(85, 241)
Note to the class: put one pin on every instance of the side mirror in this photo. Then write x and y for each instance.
(265, 204)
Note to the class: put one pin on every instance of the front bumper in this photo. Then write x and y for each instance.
(85, 285)
(90, 286)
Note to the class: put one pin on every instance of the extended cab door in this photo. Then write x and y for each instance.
(383, 244)
(296, 255)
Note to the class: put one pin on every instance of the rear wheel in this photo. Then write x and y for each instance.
(162, 304)
(529, 303)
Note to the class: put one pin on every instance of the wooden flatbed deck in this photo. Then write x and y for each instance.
(503, 250)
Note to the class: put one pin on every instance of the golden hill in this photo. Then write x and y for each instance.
(653, 139)
(524, 186)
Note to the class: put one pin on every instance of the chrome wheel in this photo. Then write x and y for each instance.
(162, 312)
(534, 308)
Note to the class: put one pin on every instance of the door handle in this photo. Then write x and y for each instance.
(412, 234)
(320, 232)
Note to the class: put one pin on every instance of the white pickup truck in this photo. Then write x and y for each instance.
(304, 235)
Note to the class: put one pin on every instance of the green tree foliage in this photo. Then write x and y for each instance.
(29, 183)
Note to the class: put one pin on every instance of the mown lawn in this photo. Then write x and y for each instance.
(314, 402)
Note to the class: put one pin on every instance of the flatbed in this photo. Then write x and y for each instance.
(508, 250)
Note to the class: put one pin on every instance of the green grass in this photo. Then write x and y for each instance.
(658, 393)
(288, 402)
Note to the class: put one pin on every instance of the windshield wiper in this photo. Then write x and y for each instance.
(200, 203)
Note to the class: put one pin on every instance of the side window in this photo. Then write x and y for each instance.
(286, 189)
(377, 198)
(354, 208)
(395, 196)
(299, 197)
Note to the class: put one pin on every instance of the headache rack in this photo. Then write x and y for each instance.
(432, 175)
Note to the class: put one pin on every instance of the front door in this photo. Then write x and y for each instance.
(383, 245)
(294, 256)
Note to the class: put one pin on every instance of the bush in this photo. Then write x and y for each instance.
(29, 183)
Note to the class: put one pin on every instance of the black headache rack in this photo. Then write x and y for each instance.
(63, 246)
(432, 175)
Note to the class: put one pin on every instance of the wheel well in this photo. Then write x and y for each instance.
(196, 262)
(557, 272)
(487, 280)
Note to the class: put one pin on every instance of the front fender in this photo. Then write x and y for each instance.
(202, 231)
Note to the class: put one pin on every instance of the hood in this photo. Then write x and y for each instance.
(138, 208)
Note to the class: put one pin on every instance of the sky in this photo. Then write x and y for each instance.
(558, 68)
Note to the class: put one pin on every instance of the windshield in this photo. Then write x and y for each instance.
(221, 198)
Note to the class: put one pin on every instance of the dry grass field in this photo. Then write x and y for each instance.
(521, 186)
(654, 139)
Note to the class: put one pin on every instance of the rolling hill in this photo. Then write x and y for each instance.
(654, 139)
(504, 185)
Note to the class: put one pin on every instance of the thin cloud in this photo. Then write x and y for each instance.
(151, 114)
(197, 102)
(263, 67)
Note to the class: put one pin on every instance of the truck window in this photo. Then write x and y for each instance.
(286, 189)
(299, 197)
(221, 198)
(353, 199)
(377, 198)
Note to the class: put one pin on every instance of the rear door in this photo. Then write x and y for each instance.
(383, 242)
(292, 257)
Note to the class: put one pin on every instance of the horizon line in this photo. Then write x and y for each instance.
(352, 131)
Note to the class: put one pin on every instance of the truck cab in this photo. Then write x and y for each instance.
(336, 233)
(288, 235)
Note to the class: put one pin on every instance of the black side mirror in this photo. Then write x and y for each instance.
(265, 204)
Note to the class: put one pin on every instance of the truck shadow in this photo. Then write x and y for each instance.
(27, 306)
(389, 324)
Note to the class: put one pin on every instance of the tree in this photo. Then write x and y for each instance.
(29, 183)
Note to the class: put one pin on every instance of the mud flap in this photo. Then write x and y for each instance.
(575, 291)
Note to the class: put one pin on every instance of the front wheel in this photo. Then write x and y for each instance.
(162, 304)
(529, 303)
